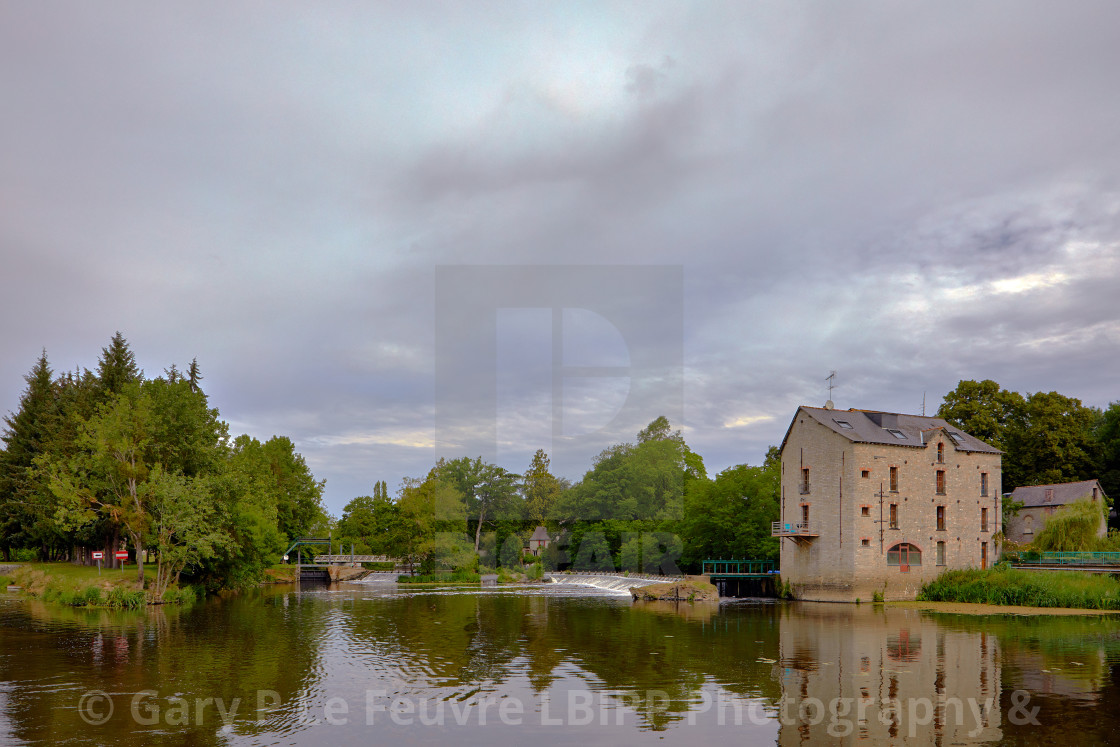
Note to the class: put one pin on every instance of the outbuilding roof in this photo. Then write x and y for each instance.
(1063, 493)
(540, 533)
(890, 428)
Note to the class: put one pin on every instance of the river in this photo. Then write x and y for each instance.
(548, 665)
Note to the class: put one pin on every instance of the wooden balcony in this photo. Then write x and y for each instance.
(798, 532)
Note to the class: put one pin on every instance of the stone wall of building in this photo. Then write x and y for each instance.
(850, 500)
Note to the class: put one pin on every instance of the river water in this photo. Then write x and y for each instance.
(548, 665)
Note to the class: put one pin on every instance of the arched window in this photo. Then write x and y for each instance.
(904, 555)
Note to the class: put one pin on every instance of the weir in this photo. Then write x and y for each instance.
(610, 582)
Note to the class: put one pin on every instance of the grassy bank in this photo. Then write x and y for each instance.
(82, 586)
(1010, 586)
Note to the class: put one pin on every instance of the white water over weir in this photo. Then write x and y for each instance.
(610, 582)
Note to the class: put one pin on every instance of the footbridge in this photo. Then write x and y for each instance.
(344, 559)
(1084, 562)
(742, 577)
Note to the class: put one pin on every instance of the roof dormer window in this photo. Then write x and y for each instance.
(896, 433)
(843, 424)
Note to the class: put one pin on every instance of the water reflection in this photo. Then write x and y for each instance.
(886, 675)
(351, 664)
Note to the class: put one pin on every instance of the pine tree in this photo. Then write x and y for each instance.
(117, 366)
(194, 376)
(26, 436)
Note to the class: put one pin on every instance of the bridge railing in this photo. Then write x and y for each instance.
(741, 567)
(356, 559)
(1063, 558)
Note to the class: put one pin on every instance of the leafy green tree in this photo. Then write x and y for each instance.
(982, 409)
(246, 491)
(489, 492)
(187, 526)
(1051, 440)
(108, 477)
(436, 516)
(1107, 435)
(294, 490)
(1072, 528)
(730, 517)
(373, 522)
(542, 489)
(154, 428)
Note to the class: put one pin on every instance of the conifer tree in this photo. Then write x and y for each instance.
(26, 436)
(117, 366)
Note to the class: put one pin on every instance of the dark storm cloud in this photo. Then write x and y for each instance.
(908, 194)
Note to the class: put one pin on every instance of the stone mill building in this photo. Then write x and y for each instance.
(880, 502)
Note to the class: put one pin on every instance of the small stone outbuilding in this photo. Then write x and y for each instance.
(1041, 501)
(539, 541)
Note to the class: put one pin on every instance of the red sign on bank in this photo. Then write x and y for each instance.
(121, 555)
(97, 554)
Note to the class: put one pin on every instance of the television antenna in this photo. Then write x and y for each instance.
(831, 379)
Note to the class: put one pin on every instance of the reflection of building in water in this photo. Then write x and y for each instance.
(885, 676)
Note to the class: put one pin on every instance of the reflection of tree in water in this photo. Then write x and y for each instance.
(224, 649)
(644, 659)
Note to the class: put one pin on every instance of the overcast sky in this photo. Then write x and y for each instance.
(908, 194)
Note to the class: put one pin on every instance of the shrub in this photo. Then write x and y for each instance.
(91, 597)
(124, 598)
(176, 595)
(877, 597)
(1024, 588)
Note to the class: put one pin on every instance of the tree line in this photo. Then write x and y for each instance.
(1046, 437)
(110, 459)
(646, 505)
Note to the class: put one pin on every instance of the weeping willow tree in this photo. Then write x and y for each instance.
(1071, 528)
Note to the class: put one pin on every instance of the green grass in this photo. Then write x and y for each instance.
(1009, 586)
(81, 586)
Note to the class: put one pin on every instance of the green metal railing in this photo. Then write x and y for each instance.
(1063, 558)
(738, 567)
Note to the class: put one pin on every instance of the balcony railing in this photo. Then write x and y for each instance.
(788, 529)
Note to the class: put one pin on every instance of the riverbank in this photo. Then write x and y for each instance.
(84, 586)
(1011, 587)
(971, 608)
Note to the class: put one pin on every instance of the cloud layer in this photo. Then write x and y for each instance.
(908, 195)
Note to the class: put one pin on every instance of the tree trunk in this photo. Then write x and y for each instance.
(478, 529)
(139, 557)
(116, 544)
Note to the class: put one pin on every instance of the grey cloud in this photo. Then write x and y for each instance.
(272, 194)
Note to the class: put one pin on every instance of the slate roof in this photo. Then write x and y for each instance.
(889, 428)
(539, 534)
(1032, 496)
